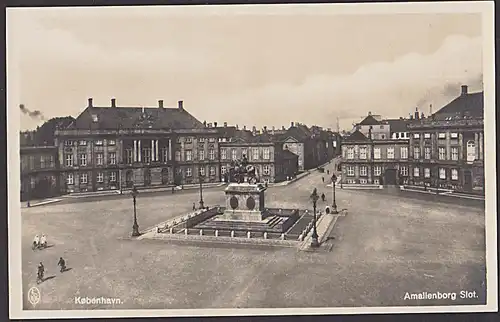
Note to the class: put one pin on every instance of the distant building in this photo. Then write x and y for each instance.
(447, 148)
(39, 172)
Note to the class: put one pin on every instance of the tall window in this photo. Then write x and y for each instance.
(363, 171)
(189, 172)
(471, 151)
(82, 142)
(112, 176)
(68, 143)
(211, 154)
(427, 135)
(377, 171)
(404, 152)
(164, 154)
(454, 154)
(244, 152)
(442, 173)
(427, 153)
(234, 154)
(84, 178)
(454, 174)
(177, 155)
(100, 177)
(255, 154)
(70, 178)
(202, 171)
(129, 156)
(112, 158)
(266, 153)
(441, 136)
(223, 169)
(404, 171)
(442, 154)
(111, 142)
(146, 155)
(390, 152)
(69, 160)
(201, 155)
(376, 153)
(266, 170)
(42, 161)
(416, 135)
(362, 153)
(189, 155)
(350, 171)
(427, 173)
(416, 172)
(416, 152)
(223, 154)
(189, 140)
(350, 153)
(454, 135)
(83, 159)
(99, 159)
(212, 171)
(98, 142)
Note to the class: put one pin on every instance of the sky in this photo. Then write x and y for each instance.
(246, 67)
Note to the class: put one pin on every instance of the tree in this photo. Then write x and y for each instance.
(44, 134)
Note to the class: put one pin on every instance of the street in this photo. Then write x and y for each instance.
(385, 247)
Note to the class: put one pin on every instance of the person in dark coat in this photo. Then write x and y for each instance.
(323, 197)
(62, 264)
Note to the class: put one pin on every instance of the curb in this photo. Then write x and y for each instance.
(42, 203)
(447, 193)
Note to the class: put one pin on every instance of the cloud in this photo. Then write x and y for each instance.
(391, 89)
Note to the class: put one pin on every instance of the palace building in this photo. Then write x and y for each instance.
(118, 147)
(39, 172)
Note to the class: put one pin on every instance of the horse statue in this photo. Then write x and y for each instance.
(241, 170)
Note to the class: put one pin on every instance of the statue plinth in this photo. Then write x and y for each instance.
(244, 202)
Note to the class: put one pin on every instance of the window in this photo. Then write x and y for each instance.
(442, 173)
(112, 176)
(189, 172)
(201, 155)
(376, 153)
(390, 153)
(189, 140)
(146, 155)
(234, 155)
(454, 174)
(95, 119)
(211, 140)
(266, 170)
(442, 154)
(84, 178)
(404, 152)
(471, 151)
(69, 160)
(212, 171)
(98, 142)
(129, 156)
(99, 158)
(427, 135)
(178, 140)
(68, 143)
(70, 178)
(427, 173)
(82, 142)
(223, 169)
(362, 152)
(377, 171)
(202, 171)
(416, 152)
(177, 155)
(223, 154)
(427, 153)
(350, 171)
(350, 153)
(454, 135)
(189, 155)
(211, 154)
(255, 154)
(83, 159)
(416, 135)
(267, 153)
(100, 177)
(244, 152)
(454, 154)
(111, 142)
(404, 170)
(363, 171)
(164, 154)
(441, 135)
(112, 158)
(42, 161)
(201, 140)
(416, 172)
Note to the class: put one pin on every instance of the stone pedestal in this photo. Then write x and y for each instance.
(244, 202)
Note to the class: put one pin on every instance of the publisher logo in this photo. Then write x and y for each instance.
(34, 296)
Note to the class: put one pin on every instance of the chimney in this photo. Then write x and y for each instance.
(422, 115)
(264, 129)
(291, 124)
(215, 124)
(160, 103)
(209, 125)
(370, 132)
(237, 127)
(272, 130)
(464, 89)
(90, 102)
(369, 113)
(225, 124)
(283, 128)
(416, 113)
(113, 102)
(411, 117)
(181, 105)
(430, 109)
(205, 123)
(254, 129)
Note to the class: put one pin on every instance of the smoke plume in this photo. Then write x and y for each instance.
(36, 114)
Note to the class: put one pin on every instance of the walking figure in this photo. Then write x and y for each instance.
(323, 197)
(39, 275)
(173, 190)
(323, 179)
(194, 206)
(327, 171)
(62, 264)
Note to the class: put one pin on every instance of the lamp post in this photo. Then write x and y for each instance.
(314, 198)
(201, 176)
(135, 227)
(334, 205)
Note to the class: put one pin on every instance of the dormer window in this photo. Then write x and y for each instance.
(95, 119)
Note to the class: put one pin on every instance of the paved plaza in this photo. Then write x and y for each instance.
(385, 247)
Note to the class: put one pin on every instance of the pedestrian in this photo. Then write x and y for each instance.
(43, 241)
(323, 179)
(36, 241)
(194, 206)
(323, 197)
(62, 264)
(173, 190)
(327, 171)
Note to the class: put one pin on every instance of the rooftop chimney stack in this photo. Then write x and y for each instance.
(264, 129)
(215, 124)
(369, 113)
(244, 127)
(181, 105)
(291, 124)
(205, 123)
(422, 115)
(113, 102)
(160, 103)
(416, 114)
(465, 89)
(430, 109)
(90, 102)
(225, 124)
(283, 128)
(370, 132)
(237, 126)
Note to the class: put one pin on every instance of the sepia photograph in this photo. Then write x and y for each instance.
(251, 160)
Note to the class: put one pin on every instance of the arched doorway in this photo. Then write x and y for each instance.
(129, 178)
(164, 176)
(390, 177)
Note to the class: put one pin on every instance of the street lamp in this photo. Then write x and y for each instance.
(135, 227)
(201, 176)
(334, 205)
(314, 198)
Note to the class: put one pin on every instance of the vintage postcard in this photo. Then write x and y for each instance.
(251, 160)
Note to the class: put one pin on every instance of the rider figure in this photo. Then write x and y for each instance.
(62, 263)
(43, 240)
(36, 241)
